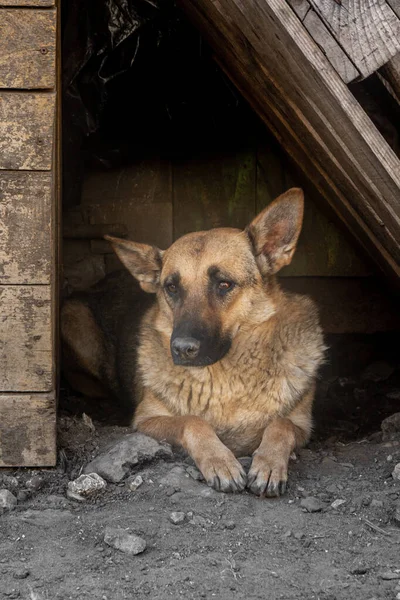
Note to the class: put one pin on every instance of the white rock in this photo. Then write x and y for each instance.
(337, 503)
(136, 483)
(125, 542)
(86, 485)
(177, 517)
(396, 472)
(7, 501)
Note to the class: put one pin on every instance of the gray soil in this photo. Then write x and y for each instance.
(224, 546)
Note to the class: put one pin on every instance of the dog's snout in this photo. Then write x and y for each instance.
(186, 348)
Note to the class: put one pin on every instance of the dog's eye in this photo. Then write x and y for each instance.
(171, 288)
(225, 286)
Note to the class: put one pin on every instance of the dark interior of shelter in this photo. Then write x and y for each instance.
(157, 142)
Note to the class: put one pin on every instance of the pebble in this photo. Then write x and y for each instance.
(230, 525)
(312, 504)
(135, 449)
(7, 501)
(338, 502)
(390, 425)
(125, 542)
(23, 495)
(21, 574)
(35, 483)
(177, 517)
(10, 482)
(396, 472)
(299, 535)
(376, 503)
(391, 575)
(135, 483)
(194, 473)
(86, 485)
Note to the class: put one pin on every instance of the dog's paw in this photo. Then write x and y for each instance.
(267, 478)
(223, 472)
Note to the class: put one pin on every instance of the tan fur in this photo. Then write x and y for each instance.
(255, 399)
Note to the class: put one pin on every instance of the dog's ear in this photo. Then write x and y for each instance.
(142, 260)
(275, 231)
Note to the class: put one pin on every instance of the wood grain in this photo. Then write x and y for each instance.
(395, 6)
(26, 353)
(289, 82)
(368, 30)
(214, 191)
(36, 3)
(27, 430)
(26, 130)
(25, 228)
(27, 48)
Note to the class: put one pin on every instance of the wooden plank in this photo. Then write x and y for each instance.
(36, 3)
(395, 6)
(391, 72)
(320, 34)
(26, 130)
(291, 85)
(27, 48)
(26, 352)
(27, 430)
(349, 305)
(368, 30)
(214, 191)
(25, 228)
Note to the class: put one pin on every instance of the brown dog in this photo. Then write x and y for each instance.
(215, 357)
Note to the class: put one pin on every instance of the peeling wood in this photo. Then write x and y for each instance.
(26, 130)
(27, 430)
(25, 228)
(27, 48)
(368, 30)
(26, 352)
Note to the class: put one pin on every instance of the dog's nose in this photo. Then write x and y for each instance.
(185, 347)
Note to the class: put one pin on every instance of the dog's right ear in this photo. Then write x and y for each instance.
(142, 260)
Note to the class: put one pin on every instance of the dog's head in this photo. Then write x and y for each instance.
(211, 284)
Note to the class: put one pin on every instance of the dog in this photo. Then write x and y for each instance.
(205, 349)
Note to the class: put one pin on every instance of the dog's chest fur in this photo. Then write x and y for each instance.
(265, 373)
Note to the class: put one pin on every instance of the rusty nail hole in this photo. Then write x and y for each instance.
(39, 371)
(39, 141)
(44, 50)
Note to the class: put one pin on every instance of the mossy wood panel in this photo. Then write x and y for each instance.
(26, 130)
(27, 48)
(214, 191)
(323, 249)
(27, 430)
(26, 351)
(25, 227)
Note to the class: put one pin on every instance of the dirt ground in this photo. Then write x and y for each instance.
(226, 546)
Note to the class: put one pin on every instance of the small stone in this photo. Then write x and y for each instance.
(87, 485)
(390, 425)
(359, 570)
(74, 496)
(376, 503)
(35, 483)
(391, 575)
(230, 525)
(136, 483)
(125, 542)
(396, 472)
(7, 501)
(177, 517)
(377, 371)
(287, 534)
(312, 504)
(338, 502)
(198, 520)
(299, 535)
(21, 574)
(194, 473)
(10, 482)
(23, 495)
(135, 449)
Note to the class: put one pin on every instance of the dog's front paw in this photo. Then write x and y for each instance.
(223, 472)
(267, 477)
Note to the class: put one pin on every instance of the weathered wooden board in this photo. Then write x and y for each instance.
(26, 352)
(27, 430)
(25, 228)
(26, 130)
(349, 305)
(395, 6)
(36, 3)
(368, 30)
(214, 191)
(391, 73)
(27, 48)
(325, 40)
(264, 49)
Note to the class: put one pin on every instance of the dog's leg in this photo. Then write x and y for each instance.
(220, 468)
(268, 472)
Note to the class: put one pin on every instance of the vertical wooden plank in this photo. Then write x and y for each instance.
(27, 48)
(26, 130)
(26, 252)
(27, 430)
(26, 350)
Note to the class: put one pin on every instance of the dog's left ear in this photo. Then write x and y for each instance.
(275, 231)
(144, 262)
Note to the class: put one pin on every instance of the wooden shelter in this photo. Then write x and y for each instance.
(294, 61)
